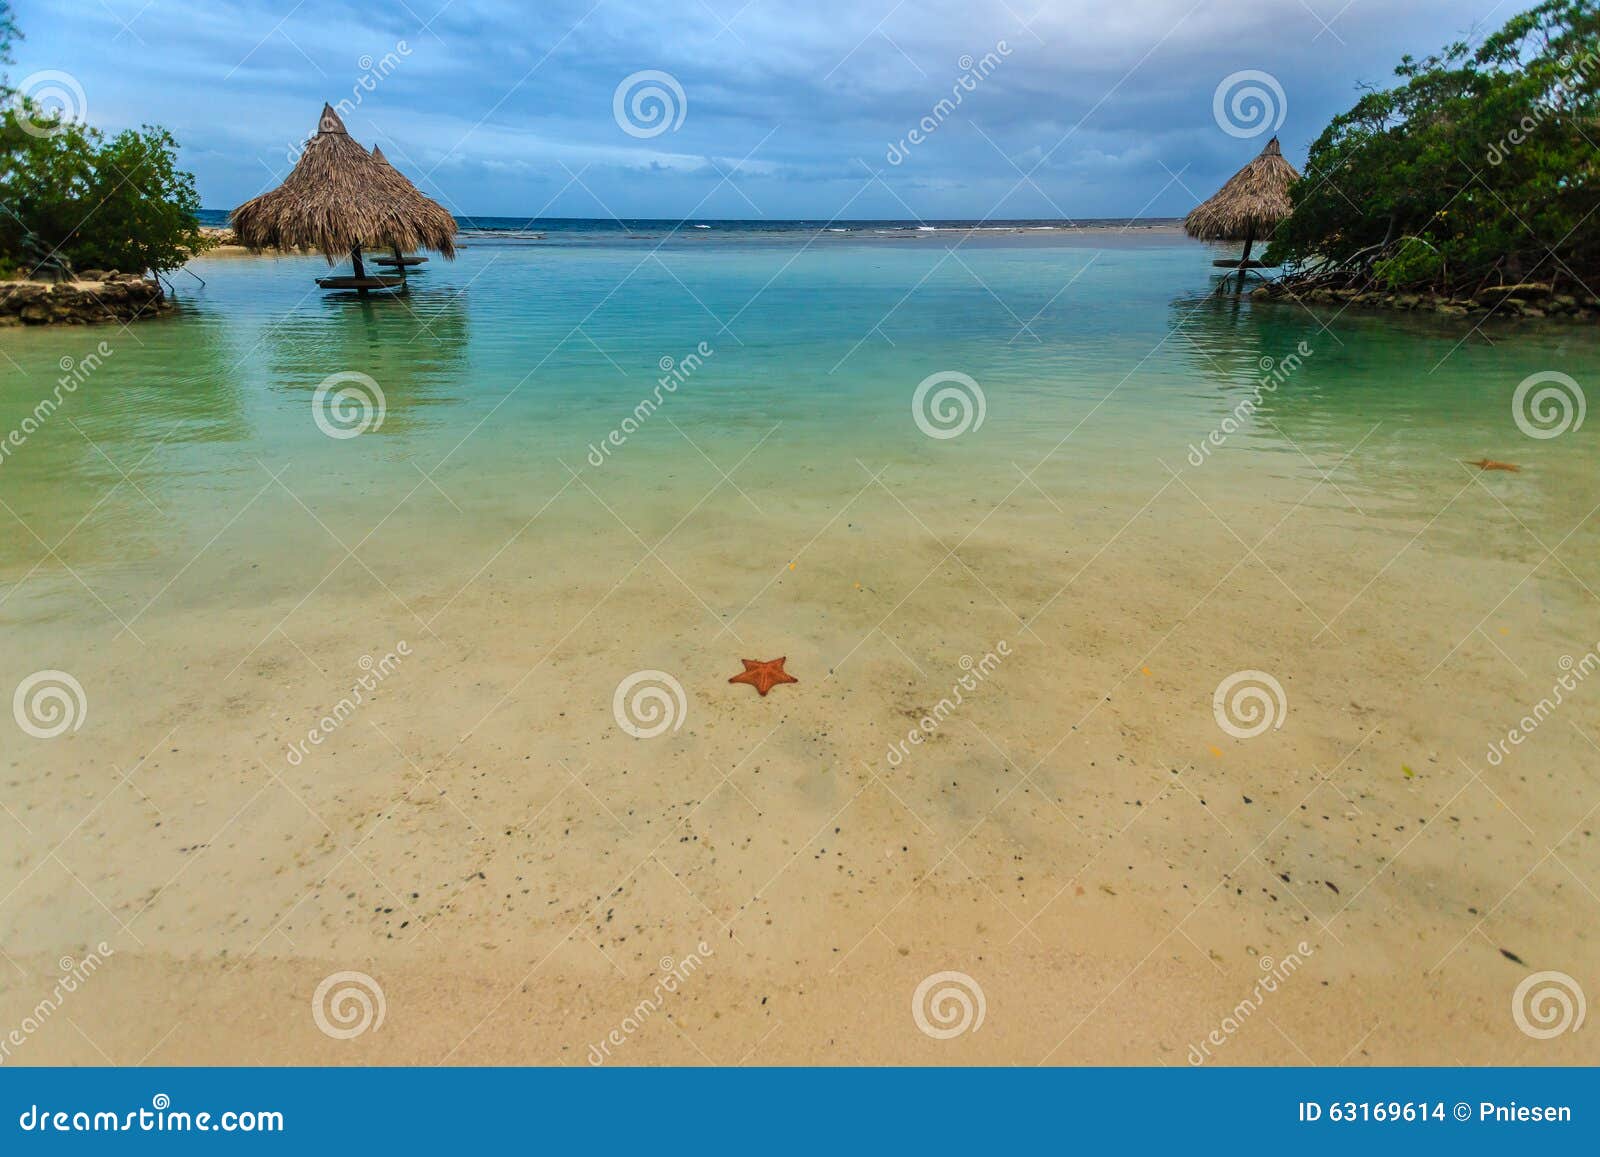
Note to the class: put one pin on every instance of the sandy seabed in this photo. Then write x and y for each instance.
(1114, 877)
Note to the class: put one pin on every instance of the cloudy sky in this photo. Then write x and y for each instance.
(789, 108)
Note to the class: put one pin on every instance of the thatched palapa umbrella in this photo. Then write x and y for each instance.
(1248, 207)
(399, 260)
(338, 199)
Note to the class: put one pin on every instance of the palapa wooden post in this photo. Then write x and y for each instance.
(358, 269)
(1244, 262)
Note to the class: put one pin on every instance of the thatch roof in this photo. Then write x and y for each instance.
(1251, 204)
(339, 197)
(428, 204)
(377, 155)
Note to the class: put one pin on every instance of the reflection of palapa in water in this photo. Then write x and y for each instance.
(414, 349)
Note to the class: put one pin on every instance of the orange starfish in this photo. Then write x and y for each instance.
(1491, 464)
(764, 676)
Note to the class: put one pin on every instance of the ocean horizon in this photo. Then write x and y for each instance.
(650, 226)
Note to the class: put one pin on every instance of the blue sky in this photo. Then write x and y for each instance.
(789, 107)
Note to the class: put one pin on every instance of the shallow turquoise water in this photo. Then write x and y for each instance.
(185, 542)
(1099, 356)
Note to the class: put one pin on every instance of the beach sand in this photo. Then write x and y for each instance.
(516, 873)
(1078, 838)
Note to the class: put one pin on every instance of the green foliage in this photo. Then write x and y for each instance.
(80, 199)
(1413, 262)
(74, 199)
(1480, 164)
(8, 35)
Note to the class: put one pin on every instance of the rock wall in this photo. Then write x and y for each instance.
(114, 297)
(1506, 301)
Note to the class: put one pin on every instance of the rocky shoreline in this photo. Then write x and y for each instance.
(1530, 300)
(91, 298)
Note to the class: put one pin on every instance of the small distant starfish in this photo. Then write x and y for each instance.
(1491, 464)
(764, 676)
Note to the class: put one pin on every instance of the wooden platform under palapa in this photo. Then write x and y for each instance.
(339, 199)
(1247, 208)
